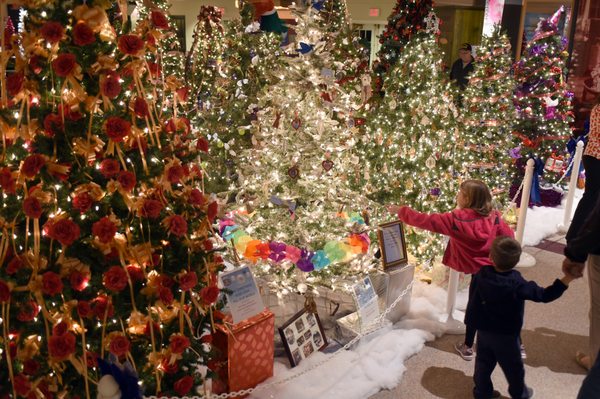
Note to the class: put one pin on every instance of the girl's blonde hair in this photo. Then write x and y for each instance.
(478, 196)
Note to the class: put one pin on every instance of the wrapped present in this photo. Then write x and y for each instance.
(246, 352)
(555, 163)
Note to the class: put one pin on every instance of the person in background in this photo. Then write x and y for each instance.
(591, 196)
(463, 66)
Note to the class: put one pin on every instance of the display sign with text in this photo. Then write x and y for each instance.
(243, 297)
(392, 244)
(366, 301)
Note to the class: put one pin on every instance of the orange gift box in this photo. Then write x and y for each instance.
(246, 352)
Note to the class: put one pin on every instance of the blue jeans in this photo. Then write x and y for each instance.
(504, 350)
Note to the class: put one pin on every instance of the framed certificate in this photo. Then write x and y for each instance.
(392, 244)
(302, 335)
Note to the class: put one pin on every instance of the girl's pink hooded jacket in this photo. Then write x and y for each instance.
(471, 234)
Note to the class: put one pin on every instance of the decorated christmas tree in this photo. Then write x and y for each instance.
(488, 113)
(407, 18)
(107, 264)
(204, 60)
(543, 103)
(412, 143)
(334, 16)
(171, 52)
(229, 67)
(296, 215)
(349, 58)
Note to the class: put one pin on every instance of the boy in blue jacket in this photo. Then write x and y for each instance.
(496, 308)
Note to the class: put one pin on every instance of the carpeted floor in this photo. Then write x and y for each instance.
(551, 334)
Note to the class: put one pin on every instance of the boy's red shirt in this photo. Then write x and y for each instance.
(471, 234)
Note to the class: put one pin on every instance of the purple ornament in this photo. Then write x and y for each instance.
(569, 94)
(304, 262)
(435, 191)
(277, 251)
(537, 49)
(550, 113)
(515, 153)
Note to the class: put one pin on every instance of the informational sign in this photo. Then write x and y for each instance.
(391, 243)
(366, 301)
(493, 15)
(243, 297)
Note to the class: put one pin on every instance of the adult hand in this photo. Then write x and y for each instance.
(393, 209)
(571, 268)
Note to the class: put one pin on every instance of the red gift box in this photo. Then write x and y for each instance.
(246, 352)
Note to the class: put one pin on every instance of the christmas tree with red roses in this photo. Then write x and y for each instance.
(106, 251)
(406, 19)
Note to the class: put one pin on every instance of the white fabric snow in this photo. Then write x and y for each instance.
(376, 363)
(542, 222)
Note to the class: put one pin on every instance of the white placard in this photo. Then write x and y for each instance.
(366, 301)
(392, 240)
(243, 298)
(391, 243)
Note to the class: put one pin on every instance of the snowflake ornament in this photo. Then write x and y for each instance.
(433, 23)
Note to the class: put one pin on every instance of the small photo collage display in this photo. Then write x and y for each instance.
(302, 336)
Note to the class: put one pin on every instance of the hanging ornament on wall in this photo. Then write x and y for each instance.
(294, 172)
(327, 165)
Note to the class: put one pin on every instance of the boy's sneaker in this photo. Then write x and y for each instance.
(464, 351)
(523, 353)
(495, 395)
(530, 392)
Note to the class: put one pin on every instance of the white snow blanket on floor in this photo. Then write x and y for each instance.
(542, 222)
(376, 363)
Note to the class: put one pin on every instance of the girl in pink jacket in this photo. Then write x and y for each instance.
(472, 227)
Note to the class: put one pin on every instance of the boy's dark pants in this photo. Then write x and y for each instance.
(591, 385)
(502, 349)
